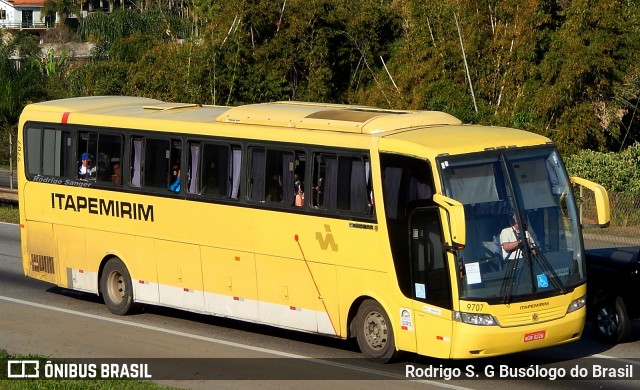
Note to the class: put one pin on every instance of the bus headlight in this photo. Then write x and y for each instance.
(474, 318)
(577, 304)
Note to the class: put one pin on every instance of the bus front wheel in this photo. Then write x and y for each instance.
(116, 287)
(374, 332)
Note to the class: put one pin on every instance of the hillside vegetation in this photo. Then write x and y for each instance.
(565, 69)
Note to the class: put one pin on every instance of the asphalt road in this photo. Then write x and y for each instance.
(5, 178)
(39, 318)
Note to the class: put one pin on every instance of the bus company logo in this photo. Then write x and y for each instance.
(23, 369)
(327, 240)
(534, 306)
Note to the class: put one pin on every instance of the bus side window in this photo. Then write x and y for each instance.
(274, 174)
(49, 152)
(108, 158)
(86, 155)
(209, 168)
(257, 181)
(97, 155)
(161, 156)
(430, 274)
(342, 183)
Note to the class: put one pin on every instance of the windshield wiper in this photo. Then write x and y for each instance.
(509, 279)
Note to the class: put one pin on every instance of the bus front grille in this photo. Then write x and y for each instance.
(532, 316)
(41, 263)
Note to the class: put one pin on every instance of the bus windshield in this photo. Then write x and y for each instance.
(523, 239)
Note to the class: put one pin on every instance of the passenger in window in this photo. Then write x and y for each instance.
(174, 185)
(273, 192)
(299, 192)
(87, 168)
(116, 173)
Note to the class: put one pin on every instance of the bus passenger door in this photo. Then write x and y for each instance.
(431, 283)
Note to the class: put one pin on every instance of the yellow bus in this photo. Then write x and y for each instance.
(342, 220)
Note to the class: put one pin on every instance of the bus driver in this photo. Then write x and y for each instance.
(510, 241)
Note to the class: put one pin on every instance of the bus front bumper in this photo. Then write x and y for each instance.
(473, 341)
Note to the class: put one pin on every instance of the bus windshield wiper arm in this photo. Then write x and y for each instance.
(508, 281)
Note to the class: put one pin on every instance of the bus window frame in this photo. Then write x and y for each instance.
(244, 144)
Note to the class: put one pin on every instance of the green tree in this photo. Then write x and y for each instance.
(64, 8)
(586, 59)
(21, 82)
(21, 77)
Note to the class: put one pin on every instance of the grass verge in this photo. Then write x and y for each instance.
(9, 213)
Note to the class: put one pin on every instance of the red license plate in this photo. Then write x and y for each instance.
(539, 335)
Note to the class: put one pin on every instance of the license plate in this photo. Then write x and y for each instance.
(535, 336)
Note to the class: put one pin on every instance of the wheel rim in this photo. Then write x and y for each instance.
(375, 330)
(607, 321)
(116, 287)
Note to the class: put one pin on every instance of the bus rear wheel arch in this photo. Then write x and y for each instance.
(116, 287)
(374, 332)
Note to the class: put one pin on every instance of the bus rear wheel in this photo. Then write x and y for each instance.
(374, 332)
(116, 287)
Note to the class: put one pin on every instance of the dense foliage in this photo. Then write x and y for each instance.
(566, 69)
(618, 172)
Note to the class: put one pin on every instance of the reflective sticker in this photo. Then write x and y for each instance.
(432, 310)
(406, 322)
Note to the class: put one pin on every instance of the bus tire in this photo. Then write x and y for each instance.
(374, 332)
(116, 287)
(612, 323)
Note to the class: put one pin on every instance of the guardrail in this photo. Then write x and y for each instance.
(8, 196)
(25, 25)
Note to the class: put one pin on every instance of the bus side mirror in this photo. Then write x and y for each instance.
(600, 200)
(455, 211)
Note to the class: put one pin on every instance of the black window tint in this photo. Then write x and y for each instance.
(48, 152)
(161, 164)
(108, 158)
(342, 183)
(430, 280)
(212, 176)
(257, 175)
(406, 182)
(156, 163)
(275, 175)
(33, 148)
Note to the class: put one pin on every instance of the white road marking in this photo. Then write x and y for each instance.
(617, 359)
(227, 343)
